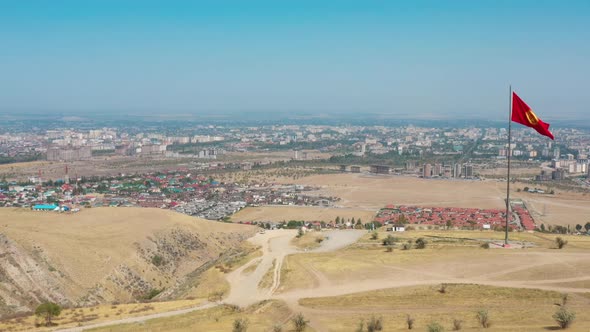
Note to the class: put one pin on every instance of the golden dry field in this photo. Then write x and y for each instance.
(306, 213)
(509, 309)
(363, 191)
(102, 255)
(261, 317)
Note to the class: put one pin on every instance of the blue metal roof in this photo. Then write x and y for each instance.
(45, 206)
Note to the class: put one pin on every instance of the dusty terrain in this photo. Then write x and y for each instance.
(307, 213)
(375, 191)
(350, 277)
(346, 280)
(103, 255)
(110, 165)
(520, 288)
(366, 192)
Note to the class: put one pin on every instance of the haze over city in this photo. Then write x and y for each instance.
(425, 59)
(294, 166)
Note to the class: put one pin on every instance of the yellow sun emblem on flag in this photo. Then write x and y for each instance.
(532, 117)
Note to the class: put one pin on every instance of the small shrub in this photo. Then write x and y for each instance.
(158, 260)
(421, 243)
(564, 317)
(410, 322)
(485, 245)
(361, 326)
(442, 289)
(457, 324)
(240, 325)
(435, 327)
(564, 298)
(150, 295)
(277, 328)
(483, 318)
(406, 246)
(300, 233)
(216, 296)
(374, 236)
(389, 249)
(389, 240)
(299, 322)
(375, 324)
(560, 243)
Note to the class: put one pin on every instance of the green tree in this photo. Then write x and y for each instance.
(48, 310)
(587, 226)
(358, 224)
(337, 220)
(449, 224)
(483, 317)
(564, 317)
(578, 227)
(157, 260)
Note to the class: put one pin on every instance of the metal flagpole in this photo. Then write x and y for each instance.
(509, 156)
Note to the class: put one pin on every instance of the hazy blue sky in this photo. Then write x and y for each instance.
(413, 57)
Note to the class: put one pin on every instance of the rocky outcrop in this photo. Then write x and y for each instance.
(27, 279)
(159, 261)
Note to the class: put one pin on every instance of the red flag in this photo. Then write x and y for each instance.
(523, 114)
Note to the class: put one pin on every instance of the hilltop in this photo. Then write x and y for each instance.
(104, 255)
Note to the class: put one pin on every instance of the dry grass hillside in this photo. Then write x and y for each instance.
(104, 255)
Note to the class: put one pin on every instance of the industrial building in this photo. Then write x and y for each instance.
(69, 153)
(379, 169)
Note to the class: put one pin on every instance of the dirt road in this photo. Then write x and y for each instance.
(244, 288)
(275, 245)
(499, 271)
(139, 319)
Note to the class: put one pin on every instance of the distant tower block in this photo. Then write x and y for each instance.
(305, 155)
(296, 155)
(67, 176)
(363, 148)
(426, 171)
(342, 168)
(355, 169)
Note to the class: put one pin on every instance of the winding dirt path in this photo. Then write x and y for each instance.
(275, 246)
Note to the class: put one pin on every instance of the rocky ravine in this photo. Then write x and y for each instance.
(159, 262)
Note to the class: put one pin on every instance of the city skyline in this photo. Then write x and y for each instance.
(426, 59)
